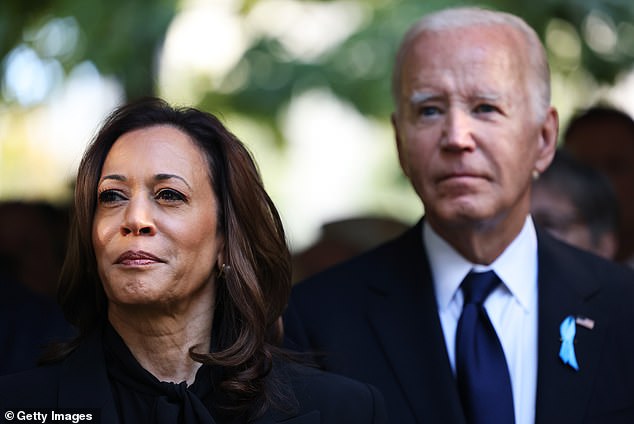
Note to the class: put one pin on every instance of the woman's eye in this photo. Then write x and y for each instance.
(170, 195)
(110, 196)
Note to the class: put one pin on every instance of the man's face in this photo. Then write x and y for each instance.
(467, 132)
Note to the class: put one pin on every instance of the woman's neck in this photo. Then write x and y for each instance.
(160, 338)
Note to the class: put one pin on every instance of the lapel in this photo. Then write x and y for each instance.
(84, 380)
(404, 317)
(565, 288)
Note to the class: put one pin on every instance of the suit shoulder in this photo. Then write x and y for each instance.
(609, 283)
(584, 265)
(338, 398)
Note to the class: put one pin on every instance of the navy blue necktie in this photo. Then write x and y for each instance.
(483, 377)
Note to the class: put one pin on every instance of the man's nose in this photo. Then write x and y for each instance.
(458, 131)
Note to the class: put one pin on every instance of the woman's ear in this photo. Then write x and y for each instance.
(221, 265)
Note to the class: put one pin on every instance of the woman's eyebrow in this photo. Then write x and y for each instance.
(116, 177)
(157, 177)
(163, 177)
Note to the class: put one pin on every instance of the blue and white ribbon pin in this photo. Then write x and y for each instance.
(567, 329)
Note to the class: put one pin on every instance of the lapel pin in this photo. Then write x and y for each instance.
(585, 322)
(567, 330)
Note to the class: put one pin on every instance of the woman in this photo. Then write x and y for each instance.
(176, 277)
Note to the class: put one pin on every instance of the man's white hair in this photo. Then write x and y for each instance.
(465, 17)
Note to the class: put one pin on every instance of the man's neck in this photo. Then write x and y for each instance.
(479, 243)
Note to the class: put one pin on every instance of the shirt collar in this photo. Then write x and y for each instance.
(516, 266)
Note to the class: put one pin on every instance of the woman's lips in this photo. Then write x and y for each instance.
(138, 257)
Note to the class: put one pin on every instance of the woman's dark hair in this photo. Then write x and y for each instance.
(250, 296)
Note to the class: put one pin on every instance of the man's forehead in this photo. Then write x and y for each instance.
(433, 54)
(489, 69)
(472, 42)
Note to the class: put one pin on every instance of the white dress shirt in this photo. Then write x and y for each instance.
(512, 307)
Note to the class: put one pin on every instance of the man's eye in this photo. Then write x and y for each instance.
(428, 111)
(170, 195)
(110, 196)
(485, 108)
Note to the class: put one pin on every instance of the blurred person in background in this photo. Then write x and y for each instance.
(343, 239)
(32, 247)
(176, 276)
(33, 244)
(577, 204)
(603, 138)
(29, 322)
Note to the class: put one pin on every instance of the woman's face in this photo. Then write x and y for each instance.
(155, 232)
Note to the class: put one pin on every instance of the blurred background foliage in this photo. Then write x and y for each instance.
(121, 38)
(330, 53)
(585, 35)
(124, 38)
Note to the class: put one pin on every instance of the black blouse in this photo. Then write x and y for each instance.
(142, 398)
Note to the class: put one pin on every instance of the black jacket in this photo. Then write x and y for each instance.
(376, 319)
(81, 381)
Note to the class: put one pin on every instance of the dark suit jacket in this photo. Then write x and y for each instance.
(28, 322)
(81, 381)
(375, 318)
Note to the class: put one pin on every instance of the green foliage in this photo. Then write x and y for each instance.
(16, 16)
(359, 70)
(122, 38)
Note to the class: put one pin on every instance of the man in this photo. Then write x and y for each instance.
(577, 204)
(474, 127)
(603, 137)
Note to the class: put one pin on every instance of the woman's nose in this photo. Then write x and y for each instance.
(138, 219)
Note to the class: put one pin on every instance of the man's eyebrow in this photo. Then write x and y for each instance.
(488, 96)
(421, 97)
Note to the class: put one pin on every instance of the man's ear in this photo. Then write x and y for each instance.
(547, 140)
